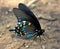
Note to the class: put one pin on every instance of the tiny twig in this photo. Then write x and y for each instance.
(31, 2)
(53, 19)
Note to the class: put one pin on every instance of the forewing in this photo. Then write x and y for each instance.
(24, 8)
(21, 15)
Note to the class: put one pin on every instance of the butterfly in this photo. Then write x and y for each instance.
(28, 25)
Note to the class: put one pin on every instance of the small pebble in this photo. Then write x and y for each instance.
(27, 46)
(31, 2)
(43, 47)
(10, 10)
(23, 44)
(8, 26)
(35, 43)
(50, 36)
(16, 40)
(37, 36)
(49, 3)
(0, 36)
(6, 12)
(33, 5)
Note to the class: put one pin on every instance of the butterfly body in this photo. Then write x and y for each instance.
(28, 25)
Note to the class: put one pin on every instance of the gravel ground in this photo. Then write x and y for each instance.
(50, 13)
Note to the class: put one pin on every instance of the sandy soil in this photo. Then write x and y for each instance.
(49, 10)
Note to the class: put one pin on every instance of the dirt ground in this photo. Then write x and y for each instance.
(49, 10)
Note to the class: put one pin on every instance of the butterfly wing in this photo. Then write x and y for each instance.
(24, 8)
(22, 16)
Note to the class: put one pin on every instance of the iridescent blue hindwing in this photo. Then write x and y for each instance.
(21, 27)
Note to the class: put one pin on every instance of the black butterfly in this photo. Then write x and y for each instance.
(28, 25)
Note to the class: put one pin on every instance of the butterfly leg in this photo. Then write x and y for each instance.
(45, 37)
(41, 42)
(34, 38)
